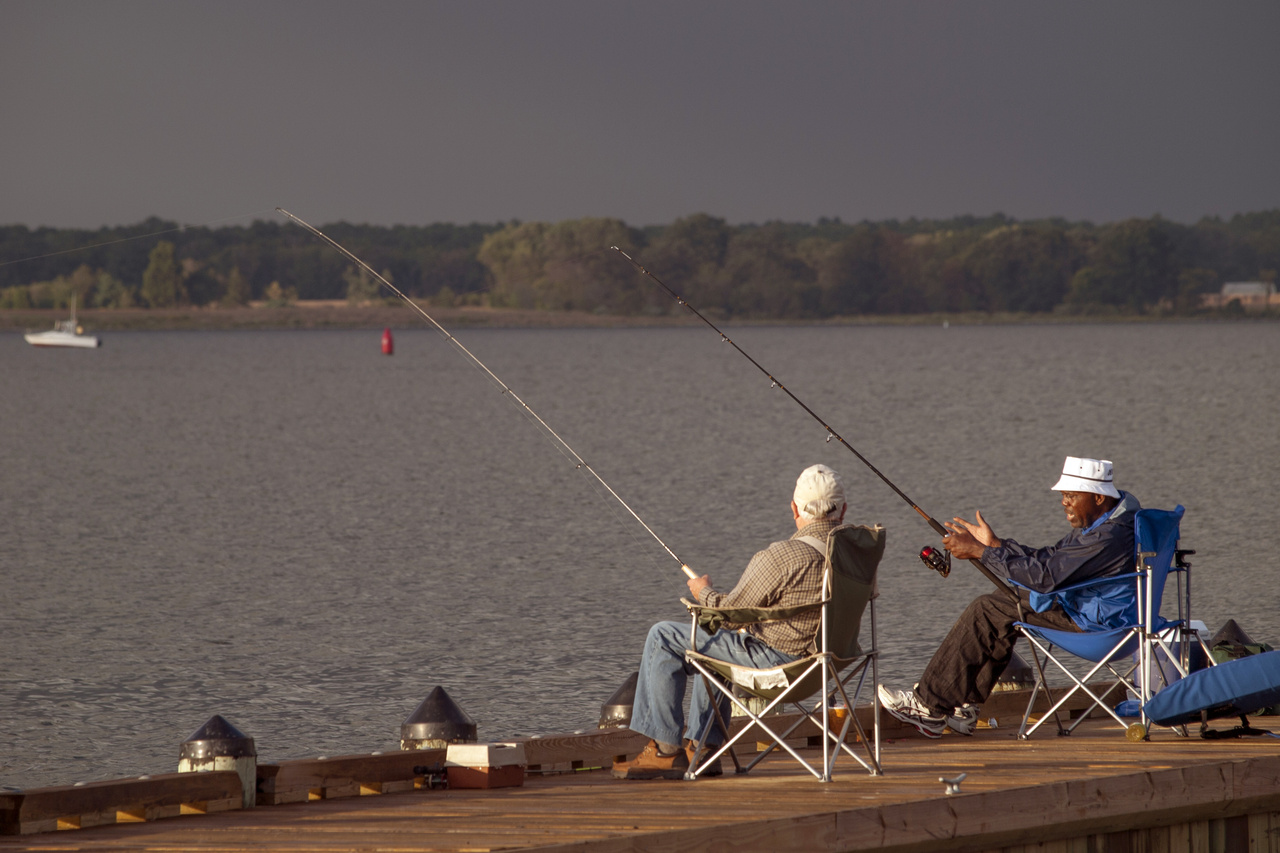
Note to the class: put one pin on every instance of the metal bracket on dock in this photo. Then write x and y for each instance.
(953, 785)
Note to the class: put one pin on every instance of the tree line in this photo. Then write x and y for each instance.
(775, 270)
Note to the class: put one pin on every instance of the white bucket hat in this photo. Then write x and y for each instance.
(818, 492)
(1082, 474)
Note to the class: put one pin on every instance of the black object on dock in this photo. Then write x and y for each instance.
(437, 722)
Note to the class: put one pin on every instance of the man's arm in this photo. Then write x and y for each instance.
(1076, 558)
(759, 586)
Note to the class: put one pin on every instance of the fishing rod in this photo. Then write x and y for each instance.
(561, 444)
(831, 433)
(85, 248)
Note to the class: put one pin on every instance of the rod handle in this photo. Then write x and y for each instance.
(688, 571)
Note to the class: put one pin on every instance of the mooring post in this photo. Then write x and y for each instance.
(616, 711)
(218, 745)
(1018, 675)
(436, 723)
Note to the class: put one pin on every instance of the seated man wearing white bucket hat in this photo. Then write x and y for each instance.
(786, 574)
(965, 667)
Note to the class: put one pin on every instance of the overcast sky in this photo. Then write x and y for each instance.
(410, 112)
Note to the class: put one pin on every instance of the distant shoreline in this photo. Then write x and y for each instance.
(340, 315)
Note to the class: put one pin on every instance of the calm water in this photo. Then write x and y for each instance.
(294, 531)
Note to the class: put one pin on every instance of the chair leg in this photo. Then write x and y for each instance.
(723, 725)
(1082, 684)
(875, 693)
(1042, 683)
(1121, 682)
(834, 683)
(717, 719)
(757, 720)
(1040, 674)
(873, 750)
(837, 742)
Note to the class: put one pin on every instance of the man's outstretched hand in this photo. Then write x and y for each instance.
(697, 585)
(968, 540)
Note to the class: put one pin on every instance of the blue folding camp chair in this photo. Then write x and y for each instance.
(1120, 623)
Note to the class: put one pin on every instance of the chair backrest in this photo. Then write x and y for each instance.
(854, 552)
(1155, 536)
(1105, 604)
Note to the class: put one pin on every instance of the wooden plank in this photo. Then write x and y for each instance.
(1047, 791)
(1236, 833)
(10, 803)
(596, 748)
(1198, 837)
(1114, 804)
(808, 832)
(117, 801)
(1158, 839)
(309, 779)
(1260, 832)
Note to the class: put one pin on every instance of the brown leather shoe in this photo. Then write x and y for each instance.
(651, 764)
(715, 768)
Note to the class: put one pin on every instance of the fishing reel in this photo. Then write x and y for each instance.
(939, 561)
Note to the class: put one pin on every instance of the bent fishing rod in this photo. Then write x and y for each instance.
(560, 443)
(831, 433)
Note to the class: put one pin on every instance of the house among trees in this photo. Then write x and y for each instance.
(1252, 295)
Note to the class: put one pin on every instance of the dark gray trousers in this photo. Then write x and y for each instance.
(978, 648)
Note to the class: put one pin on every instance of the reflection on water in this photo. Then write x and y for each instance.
(294, 531)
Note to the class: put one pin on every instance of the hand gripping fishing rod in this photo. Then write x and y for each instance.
(560, 443)
(938, 528)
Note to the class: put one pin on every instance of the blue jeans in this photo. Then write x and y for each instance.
(658, 711)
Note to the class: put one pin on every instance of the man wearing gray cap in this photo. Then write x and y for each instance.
(787, 573)
(965, 667)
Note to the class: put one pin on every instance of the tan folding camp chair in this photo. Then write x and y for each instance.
(852, 553)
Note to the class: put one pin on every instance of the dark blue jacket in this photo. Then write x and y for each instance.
(1104, 551)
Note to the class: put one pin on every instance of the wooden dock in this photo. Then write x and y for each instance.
(1092, 792)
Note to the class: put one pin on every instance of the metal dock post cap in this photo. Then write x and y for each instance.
(218, 745)
(217, 738)
(616, 712)
(1231, 632)
(436, 723)
(1017, 675)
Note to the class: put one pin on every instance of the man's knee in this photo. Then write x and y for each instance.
(669, 637)
(996, 602)
(994, 609)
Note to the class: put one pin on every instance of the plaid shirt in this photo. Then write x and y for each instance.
(785, 574)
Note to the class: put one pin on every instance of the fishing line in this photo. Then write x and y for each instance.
(559, 443)
(559, 448)
(831, 433)
(136, 237)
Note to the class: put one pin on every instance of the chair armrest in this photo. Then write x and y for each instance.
(710, 619)
(1075, 586)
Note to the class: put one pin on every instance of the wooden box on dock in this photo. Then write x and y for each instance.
(485, 765)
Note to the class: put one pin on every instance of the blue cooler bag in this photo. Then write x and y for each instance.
(1231, 689)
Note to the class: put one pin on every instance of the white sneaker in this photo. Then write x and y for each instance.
(964, 720)
(906, 706)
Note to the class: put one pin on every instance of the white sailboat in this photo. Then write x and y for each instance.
(65, 333)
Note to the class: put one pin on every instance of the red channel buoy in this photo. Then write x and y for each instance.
(388, 345)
